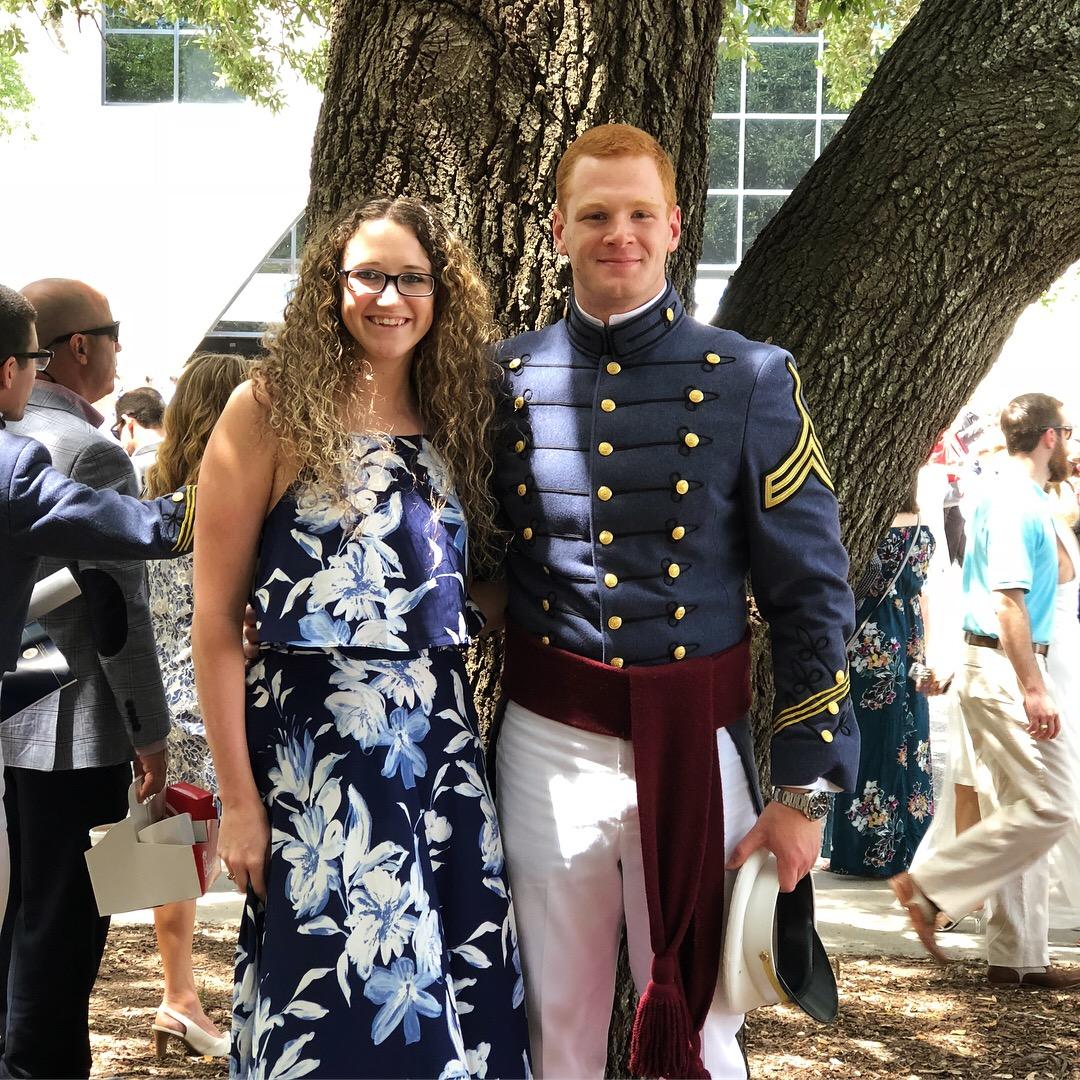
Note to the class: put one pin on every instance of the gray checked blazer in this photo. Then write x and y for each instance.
(118, 702)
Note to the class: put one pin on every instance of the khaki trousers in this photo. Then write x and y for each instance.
(567, 803)
(1004, 857)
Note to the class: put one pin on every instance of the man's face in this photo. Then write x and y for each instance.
(101, 351)
(617, 230)
(1059, 466)
(21, 378)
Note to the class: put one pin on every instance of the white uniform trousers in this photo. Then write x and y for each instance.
(567, 802)
(1005, 855)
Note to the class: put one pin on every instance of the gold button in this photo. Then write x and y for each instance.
(616, 661)
(679, 612)
(673, 570)
(610, 580)
(826, 736)
(614, 622)
(712, 358)
(519, 446)
(696, 396)
(606, 537)
(603, 493)
(178, 496)
(547, 570)
(679, 652)
(526, 533)
(607, 405)
(545, 604)
(678, 532)
(521, 489)
(614, 368)
(839, 677)
(669, 314)
(545, 640)
(691, 439)
(519, 402)
(29, 654)
(682, 487)
(604, 449)
(833, 708)
(515, 363)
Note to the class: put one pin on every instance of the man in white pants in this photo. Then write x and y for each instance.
(648, 464)
(1010, 579)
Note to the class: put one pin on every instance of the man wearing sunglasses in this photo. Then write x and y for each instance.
(68, 760)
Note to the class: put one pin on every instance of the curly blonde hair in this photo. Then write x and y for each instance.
(309, 377)
(201, 392)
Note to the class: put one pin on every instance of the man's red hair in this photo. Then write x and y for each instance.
(614, 140)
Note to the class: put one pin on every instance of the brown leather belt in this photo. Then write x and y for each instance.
(993, 643)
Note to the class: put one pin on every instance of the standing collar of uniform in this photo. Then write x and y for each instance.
(69, 400)
(624, 338)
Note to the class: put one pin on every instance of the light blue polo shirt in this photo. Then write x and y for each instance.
(1011, 545)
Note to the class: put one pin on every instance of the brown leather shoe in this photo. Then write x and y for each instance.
(1053, 978)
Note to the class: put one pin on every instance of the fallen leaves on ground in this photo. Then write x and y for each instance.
(900, 1018)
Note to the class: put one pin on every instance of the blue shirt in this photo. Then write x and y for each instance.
(1011, 545)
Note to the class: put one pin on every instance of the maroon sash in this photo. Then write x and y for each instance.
(670, 713)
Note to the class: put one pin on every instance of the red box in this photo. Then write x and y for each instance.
(182, 798)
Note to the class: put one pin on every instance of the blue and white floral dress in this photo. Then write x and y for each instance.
(387, 946)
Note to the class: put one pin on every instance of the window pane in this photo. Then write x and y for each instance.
(723, 153)
(828, 129)
(718, 241)
(786, 81)
(283, 250)
(778, 152)
(138, 67)
(301, 234)
(197, 79)
(754, 29)
(726, 92)
(758, 211)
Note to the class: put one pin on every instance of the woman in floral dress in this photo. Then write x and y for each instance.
(348, 483)
(875, 831)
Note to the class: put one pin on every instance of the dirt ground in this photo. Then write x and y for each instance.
(899, 1018)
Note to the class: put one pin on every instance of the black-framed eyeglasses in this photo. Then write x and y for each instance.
(41, 357)
(364, 282)
(118, 427)
(109, 330)
(1062, 429)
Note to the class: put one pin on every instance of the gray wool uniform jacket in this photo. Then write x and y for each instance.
(118, 703)
(646, 470)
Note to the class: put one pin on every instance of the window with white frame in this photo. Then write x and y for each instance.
(768, 125)
(158, 62)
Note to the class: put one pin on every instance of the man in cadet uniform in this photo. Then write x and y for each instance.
(649, 463)
(73, 764)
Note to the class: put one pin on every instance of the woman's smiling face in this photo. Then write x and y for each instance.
(386, 325)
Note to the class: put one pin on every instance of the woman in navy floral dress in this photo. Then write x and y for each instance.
(875, 831)
(378, 939)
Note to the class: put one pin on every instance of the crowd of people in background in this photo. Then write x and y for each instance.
(383, 485)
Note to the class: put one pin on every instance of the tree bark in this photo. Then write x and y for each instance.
(948, 202)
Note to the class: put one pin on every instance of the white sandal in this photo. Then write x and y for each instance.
(193, 1037)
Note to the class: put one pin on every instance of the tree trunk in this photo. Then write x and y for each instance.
(948, 202)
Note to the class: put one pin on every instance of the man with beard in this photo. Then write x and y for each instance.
(1011, 573)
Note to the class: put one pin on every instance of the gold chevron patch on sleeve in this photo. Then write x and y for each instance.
(805, 457)
(185, 538)
(796, 714)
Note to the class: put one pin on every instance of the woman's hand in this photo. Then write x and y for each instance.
(244, 845)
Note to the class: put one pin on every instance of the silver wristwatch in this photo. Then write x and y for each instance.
(814, 804)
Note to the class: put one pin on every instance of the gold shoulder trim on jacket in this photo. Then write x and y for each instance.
(820, 701)
(805, 458)
(185, 538)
